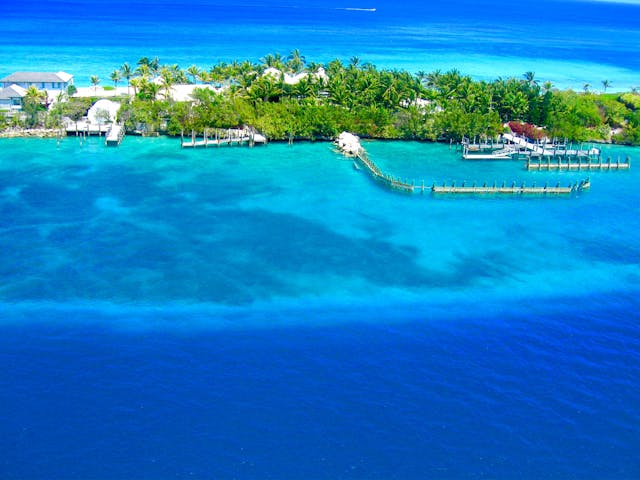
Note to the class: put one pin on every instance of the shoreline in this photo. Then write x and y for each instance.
(33, 133)
(61, 133)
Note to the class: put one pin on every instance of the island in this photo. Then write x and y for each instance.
(286, 98)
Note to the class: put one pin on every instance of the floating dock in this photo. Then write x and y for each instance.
(577, 165)
(219, 137)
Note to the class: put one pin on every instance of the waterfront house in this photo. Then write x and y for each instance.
(40, 80)
(11, 97)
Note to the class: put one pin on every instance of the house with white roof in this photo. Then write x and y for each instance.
(40, 80)
(103, 111)
(294, 79)
(11, 97)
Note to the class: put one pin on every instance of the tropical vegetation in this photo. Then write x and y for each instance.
(288, 97)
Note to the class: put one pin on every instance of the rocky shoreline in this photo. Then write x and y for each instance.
(32, 133)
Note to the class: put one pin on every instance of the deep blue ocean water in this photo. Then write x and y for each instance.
(567, 42)
(273, 313)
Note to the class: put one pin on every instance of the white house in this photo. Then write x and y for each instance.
(40, 80)
(11, 97)
(289, 79)
(103, 111)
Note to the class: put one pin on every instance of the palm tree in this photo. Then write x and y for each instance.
(154, 65)
(125, 71)
(33, 102)
(530, 78)
(433, 78)
(606, 84)
(95, 80)
(273, 61)
(144, 70)
(194, 72)
(144, 61)
(296, 61)
(586, 87)
(547, 86)
(354, 61)
(115, 77)
(167, 79)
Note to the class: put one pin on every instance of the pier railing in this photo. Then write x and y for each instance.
(560, 163)
(349, 145)
(218, 137)
(114, 136)
(513, 188)
(513, 146)
(385, 179)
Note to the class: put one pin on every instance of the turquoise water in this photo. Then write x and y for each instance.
(275, 226)
(273, 313)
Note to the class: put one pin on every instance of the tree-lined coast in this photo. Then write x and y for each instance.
(288, 97)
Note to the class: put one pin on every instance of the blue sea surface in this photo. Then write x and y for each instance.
(569, 43)
(273, 313)
(237, 313)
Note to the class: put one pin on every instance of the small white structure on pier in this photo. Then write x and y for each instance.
(348, 144)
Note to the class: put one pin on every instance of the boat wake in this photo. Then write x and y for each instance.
(353, 9)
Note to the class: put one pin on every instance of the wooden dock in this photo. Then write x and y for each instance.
(577, 165)
(83, 128)
(513, 189)
(349, 145)
(385, 179)
(114, 136)
(511, 146)
(219, 137)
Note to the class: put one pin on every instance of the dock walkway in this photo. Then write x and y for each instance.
(513, 189)
(349, 145)
(115, 135)
(86, 128)
(220, 137)
(558, 164)
(511, 146)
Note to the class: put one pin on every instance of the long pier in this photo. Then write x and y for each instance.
(385, 179)
(221, 137)
(349, 145)
(513, 189)
(558, 164)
